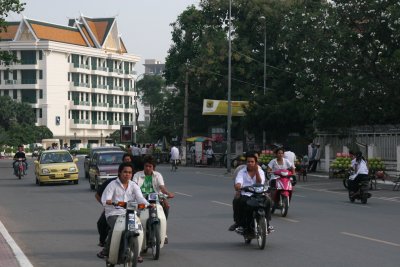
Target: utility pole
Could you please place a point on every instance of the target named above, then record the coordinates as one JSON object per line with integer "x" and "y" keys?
{"x": 265, "y": 71}
{"x": 185, "y": 117}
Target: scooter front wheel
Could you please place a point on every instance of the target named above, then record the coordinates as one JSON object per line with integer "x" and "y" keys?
{"x": 261, "y": 231}
{"x": 132, "y": 252}
{"x": 285, "y": 206}
{"x": 155, "y": 242}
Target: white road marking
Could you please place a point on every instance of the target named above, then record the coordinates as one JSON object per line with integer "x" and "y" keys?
{"x": 183, "y": 194}
{"x": 371, "y": 239}
{"x": 210, "y": 174}
{"x": 222, "y": 203}
{"x": 19, "y": 255}
{"x": 289, "y": 220}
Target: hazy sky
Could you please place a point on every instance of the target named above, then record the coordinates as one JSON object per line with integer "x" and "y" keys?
{"x": 143, "y": 24}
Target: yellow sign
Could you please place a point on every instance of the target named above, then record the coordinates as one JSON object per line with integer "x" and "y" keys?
{"x": 220, "y": 107}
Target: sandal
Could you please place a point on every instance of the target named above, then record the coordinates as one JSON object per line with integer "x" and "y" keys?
{"x": 140, "y": 259}
{"x": 101, "y": 255}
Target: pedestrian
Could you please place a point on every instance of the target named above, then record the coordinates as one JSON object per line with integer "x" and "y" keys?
{"x": 311, "y": 156}
{"x": 317, "y": 157}
{"x": 289, "y": 155}
{"x": 136, "y": 150}
{"x": 209, "y": 155}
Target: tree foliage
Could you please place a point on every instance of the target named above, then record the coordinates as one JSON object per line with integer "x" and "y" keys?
{"x": 17, "y": 122}
{"x": 330, "y": 65}
{"x": 7, "y": 6}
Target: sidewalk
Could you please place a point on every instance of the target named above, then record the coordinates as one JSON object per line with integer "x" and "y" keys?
{"x": 10, "y": 254}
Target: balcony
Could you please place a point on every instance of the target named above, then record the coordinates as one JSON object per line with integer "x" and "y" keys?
{"x": 119, "y": 88}
{"x": 128, "y": 106}
{"x": 102, "y": 69}
{"x": 115, "y": 123}
{"x": 29, "y": 61}
{"x": 84, "y": 66}
{"x": 79, "y": 121}
{"x": 119, "y": 71}
{"x": 111, "y": 105}
{"x": 83, "y": 85}
{"x": 10, "y": 81}
{"x": 102, "y": 86}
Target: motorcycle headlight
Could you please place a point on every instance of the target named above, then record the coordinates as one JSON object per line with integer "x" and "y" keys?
{"x": 72, "y": 169}
{"x": 45, "y": 171}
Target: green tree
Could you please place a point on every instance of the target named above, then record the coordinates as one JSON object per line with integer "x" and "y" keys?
{"x": 7, "y": 6}
{"x": 151, "y": 91}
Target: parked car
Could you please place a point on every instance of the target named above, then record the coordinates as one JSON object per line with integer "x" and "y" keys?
{"x": 103, "y": 166}
{"x": 89, "y": 158}
{"x": 56, "y": 166}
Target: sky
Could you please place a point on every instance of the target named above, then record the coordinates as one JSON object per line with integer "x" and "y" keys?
{"x": 144, "y": 25}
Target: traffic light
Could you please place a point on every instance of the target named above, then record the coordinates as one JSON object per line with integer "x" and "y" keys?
{"x": 58, "y": 120}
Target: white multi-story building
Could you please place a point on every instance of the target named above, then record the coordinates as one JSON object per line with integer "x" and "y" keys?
{"x": 78, "y": 78}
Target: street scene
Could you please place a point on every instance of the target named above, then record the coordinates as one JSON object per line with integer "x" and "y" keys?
{"x": 55, "y": 225}
{"x": 199, "y": 133}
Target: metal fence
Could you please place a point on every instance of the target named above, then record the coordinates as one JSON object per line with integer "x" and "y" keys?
{"x": 385, "y": 143}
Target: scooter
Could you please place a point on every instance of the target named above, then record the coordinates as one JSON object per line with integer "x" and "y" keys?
{"x": 282, "y": 194}
{"x": 362, "y": 192}
{"x": 155, "y": 225}
{"x": 259, "y": 221}
{"x": 20, "y": 168}
{"x": 127, "y": 236}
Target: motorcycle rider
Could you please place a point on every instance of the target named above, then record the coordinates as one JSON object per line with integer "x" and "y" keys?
{"x": 120, "y": 189}
{"x": 102, "y": 226}
{"x": 246, "y": 177}
{"x": 359, "y": 165}
{"x": 279, "y": 163}
{"x": 151, "y": 181}
{"x": 20, "y": 155}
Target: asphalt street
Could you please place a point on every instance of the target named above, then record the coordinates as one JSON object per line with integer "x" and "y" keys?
{"x": 55, "y": 225}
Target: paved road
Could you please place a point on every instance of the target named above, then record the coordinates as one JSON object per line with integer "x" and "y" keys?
{"x": 55, "y": 225}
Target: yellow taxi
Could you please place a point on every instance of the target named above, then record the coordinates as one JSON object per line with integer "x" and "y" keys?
{"x": 56, "y": 166}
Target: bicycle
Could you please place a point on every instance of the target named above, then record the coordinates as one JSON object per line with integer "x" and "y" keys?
{"x": 174, "y": 164}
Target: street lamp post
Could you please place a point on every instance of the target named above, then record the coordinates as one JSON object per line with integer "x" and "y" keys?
{"x": 265, "y": 69}
{"x": 229, "y": 122}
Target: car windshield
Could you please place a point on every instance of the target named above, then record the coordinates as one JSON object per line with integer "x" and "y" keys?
{"x": 110, "y": 159}
{"x": 55, "y": 158}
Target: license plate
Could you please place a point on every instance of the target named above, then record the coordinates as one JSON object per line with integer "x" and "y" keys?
{"x": 59, "y": 175}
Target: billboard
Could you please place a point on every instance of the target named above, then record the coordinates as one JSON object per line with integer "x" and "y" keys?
{"x": 126, "y": 132}
{"x": 220, "y": 107}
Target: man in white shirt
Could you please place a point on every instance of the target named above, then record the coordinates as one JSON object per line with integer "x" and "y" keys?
{"x": 135, "y": 150}
{"x": 289, "y": 155}
{"x": 121, "y": 189}
{"x": 246, "y": 177}
{"x": 174, "y": 155}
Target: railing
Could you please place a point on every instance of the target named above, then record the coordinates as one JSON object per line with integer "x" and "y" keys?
{"x": 10, "y": 81}
{"x": 84, "y": 66}
{"x": 99, "y": 122}
{"x": 99, "y": 104}
{"x": 81, "y": 103}
{"x": 115, "y": 122}
{"x": 120, "y": 88}
{"x": 129, "y": 106}
{"x": 83, "y": 85}
{"x": 102, "y": 68}
{"x": 119, "y": 71}
{"x": 102, "y": 86}
{"x": 78, "y": 121}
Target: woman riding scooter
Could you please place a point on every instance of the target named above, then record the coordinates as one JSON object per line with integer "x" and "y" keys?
{"x": 359, "y": 165}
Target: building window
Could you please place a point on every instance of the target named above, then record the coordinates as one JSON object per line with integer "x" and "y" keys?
{"x": 69, "y": 95}
{"x": 6, "y": 93}
{"x": 41, "y": 55}
{"x": 40, "y": 113}
{"x": 69, "y": 76}
{"x": 40, "y": 94}
{"x": 15, "y": 94}
{"x": 40, "y": 74}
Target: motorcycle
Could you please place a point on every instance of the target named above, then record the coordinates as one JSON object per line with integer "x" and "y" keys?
{"x": 127, "y": 236}
{"x": 155, "y": 224}
{"x": 259, "y": 221}
{"x": 19, "y": 168}
{"x": 282, "y": 194}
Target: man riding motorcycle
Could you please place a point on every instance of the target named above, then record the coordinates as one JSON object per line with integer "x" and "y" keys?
{"x": 151, "y": 181}
{"x": 252, "y": 174}
{"x": 20, "y": 155}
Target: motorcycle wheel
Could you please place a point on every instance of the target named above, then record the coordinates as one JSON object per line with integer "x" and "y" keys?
{"x": 346, "y": 183}
{"x": 109, "y": 265}
{"x": 155, "y": 242}
{"x": 261, "y": 231}
{"x": 19, "y": 173}
{"x": 285, "y": 206}
{"x": 364, "y": 198}
{"x": 132, "y": 252}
